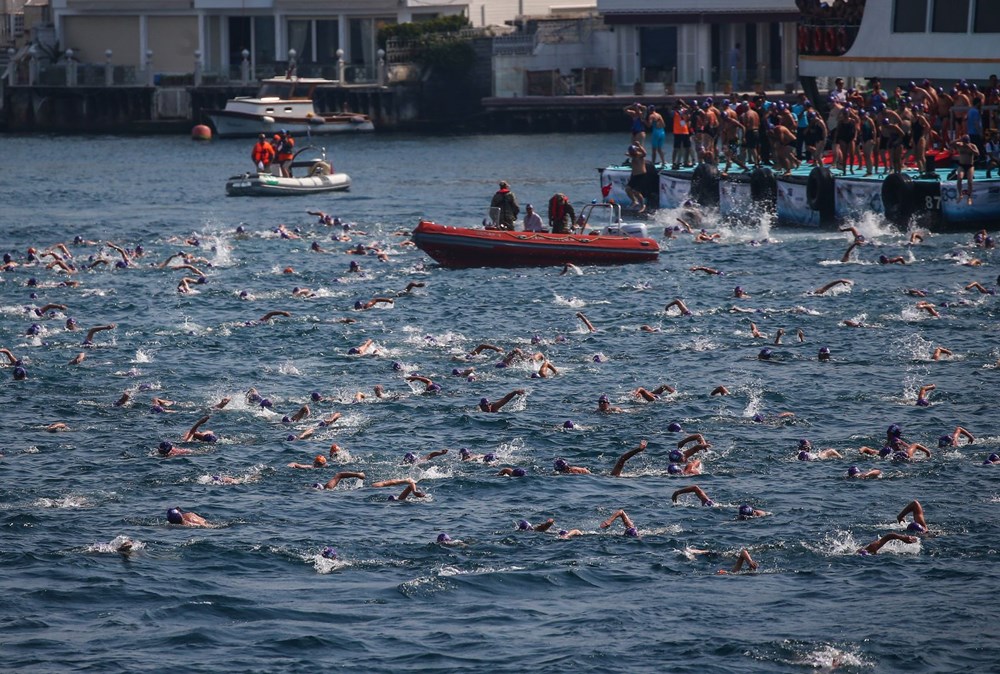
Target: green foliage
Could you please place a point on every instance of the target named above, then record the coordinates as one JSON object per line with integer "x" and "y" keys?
{"x": 419, "y": 29}
{"x": 453, "y": 56}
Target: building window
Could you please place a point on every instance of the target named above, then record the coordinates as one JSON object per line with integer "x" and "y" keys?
{"x": 987, "y": 17}
{"x": 909, "y": 16}
{"x": 253, "y": 33}
{"x": 950, "y": 16}
{"x": 327, "y": 41}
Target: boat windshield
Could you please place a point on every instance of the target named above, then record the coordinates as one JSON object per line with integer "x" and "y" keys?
{"x": 285, "y": 90}
{"x": 600, "y": 216}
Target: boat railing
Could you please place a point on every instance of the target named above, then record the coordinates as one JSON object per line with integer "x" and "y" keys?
{"x": 603, "y": 216}
{"x": 826, "y": 37}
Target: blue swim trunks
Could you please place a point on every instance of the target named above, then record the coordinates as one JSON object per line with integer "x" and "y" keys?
{"x": 659, "y": 137}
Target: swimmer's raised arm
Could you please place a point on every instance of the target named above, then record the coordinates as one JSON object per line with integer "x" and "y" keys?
{"x": 11, "y": 358}
{"x": 190, "y": 435}
{"x": 586, "y": 322}
{"x": 618, "y": 514}
{"x": 485, "y": 347}
{"x": 272, "y": 314}
{"x": 335, "y": 480}
{"x": 694, "y": 437}
{"x": 833, "y": 284}
{"x": 616, "y": 471}
{"x": 93, "y": 331}
{"x": 692, "y": 489}
{"x": 873, "y": 547}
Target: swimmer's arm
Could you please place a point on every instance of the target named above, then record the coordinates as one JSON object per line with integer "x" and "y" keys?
{"x": 436, "y": 452}
{"x": 694, "y": 437}
{"x": 11, "y": 359}
{"x": 485, "y": 347}
{"x": 417, "y": 377}
{"x": 586, "y": 322}
{"x": 272, "y": 314}
{"x": 545, "y": 526}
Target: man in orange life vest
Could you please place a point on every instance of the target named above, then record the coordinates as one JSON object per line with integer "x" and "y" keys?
{"x": 505, "y": 201}
{"x": 262, "y": 154}
{"x": 561, "y": 214}
{"x": 285, "y": 150}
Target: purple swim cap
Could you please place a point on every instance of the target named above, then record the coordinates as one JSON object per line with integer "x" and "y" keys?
{"x": 465, "y": 451}
{"x": 746, "y": 510}
{"x": 523, "y": 525}
{"x": 329, "y": 553}
{"x": 174, "y": 516}
{"x": 916, "y": 527}
{"x": 434, "y": 388}
{"x": 563, "y": 532}
{"x": 266, "y": 402}
{"x": 944, "y": 441}
{"x": 316, "y": 397}
{"x": 632, "y": 532}
{"x": 409, "y": 457}
{"x": 603, "y": 399}
{"x": 359, "y": 305}
{"x": 894, "y": 431}
{"x": 765, "y": 354}
{"x": 318, "y": 485}
{"x": 804, "y": 444}
{"x": 560, "y": 465}
{"x": 674, "y": 469}
{"x": 456, "y": 372}
{"x": 853, "y": 471}
{"x": 758, "y": 418}
{"x": 598, "y": 358}
{"x": 804, "y": 456}
{"x": 34, "y": 329}
{"x": 443, "y": 538}
{"x": 20, "y": 373}
{"x": 676, "y": 456}
{"x": 290, "y": 437}
{"x": 489, "y": 458}
{"x": 568, "y": 424}
{"x": 518, "y": 472}
{"x": 674, "y": 427}
{"x": 165, "y": 447}
{"x": 286, "y": 419}
{"x": 484, "y": 402}
{"x": 993, "y": 457}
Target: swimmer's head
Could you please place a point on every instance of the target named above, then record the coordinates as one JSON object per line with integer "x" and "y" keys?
{"x": 882, "y": 259}
{"x": 443, "y": 538}
{"x": 210, "y": 437}
{"x": 433, "y": 388}
{"x": 765, "y": 354}
{"x": 674, "y": 427}
{"x": 853, "y": 471}
{"x": 165, "y": 447}
{"x": 603, "y": 400}
{"x": 329, "y": 553}
{"x": 568, "y": 424}
{"x": 536, "y": 339}
{"x": 409, "y": 457}
{"x": 359, "y": 305}
{"x": 674, "y": 469}
{"x": 598, "y": 358}
{"x": 316, "y": 397}
{"x": 632, "y": 532}
{"x": 945, "y": 441}
{"x": 805, "y": 444}
{"x": 824, "y": 353}
{"x": 319, "y": 461}
{"x": 20, "y": 373}
{"x": 70, "y": 323}
{"x": 286, "y": 419}
{"x": 916, "y": 527}
{"x": 396, "y": 365}
{"x": 34, "y": 329}
{"x": 318, "y": 485}
{"x": 266, "y": 402}
{"x": 489, "y": 458}
{"x": 993, "y": 458}
{"x": 746, "y": 510}
{"x": 523, "y": 525}
{"x": 894, "y": 431}
{"x": 518, "y": 472}
{"x": 464, "y": 452}
{"x": 805, "y": 456}
{"x": 174, "y": 516}
{"x": 758, "y": 418}
{"x": 676, "y": 456}
{"x": 240, "y": 229}
{"x": 560, "y": 465}
{"x": 290, "y": 437}
{"x": 484, "y": 404}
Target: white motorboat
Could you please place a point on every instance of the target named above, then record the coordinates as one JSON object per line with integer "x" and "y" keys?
{"x": 316, "y": 175}
{"x": 904, "y": 41}
{"x": 284, "y": 103}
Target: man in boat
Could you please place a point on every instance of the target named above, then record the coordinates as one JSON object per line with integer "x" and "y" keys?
{"x": 966, "y": 154}
{"x": 262, "y": 154}
{"x": 561, "y": 214}
{"x": 285, "y": 151}
{"x": 505, "y": 200}
{"x": 532, "y": 221}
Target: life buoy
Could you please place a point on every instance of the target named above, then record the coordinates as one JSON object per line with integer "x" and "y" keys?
{"x": 897, "y": 199}
{"x": 841, "y": 42}
{"x": 764, "y": 187}
{"x": 803, "y": 39}
{"x": 819, "y": 192}
{"x": 705, "y": 184}
{"x": 829, "y": 41}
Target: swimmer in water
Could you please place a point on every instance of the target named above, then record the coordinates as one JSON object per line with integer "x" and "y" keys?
{"x": 167, "y": 450}
{"x": 525, "y": 525}
{"x": 631, "y": 530}
{"x": 273, "y": 314}
{"x": 955, "y": 437}
{"x": 941, "y": 351}
{"x": 586, "y": 322}
{"x": 570, "y": 267}
{"x": 318, "y": 462}
{"x": 743, "y": 559}
{"x": 697, "y": 491}
{"x": 410, "y": 457}
{"x": 186, "y": 519}
{"x": 89, "y": 339}
{"x": 883, "y": 259}
{"x": 194, "y": 435}
{"x": 754, "y": 332}
{"x": 748, "y": 512}
{"x": 708, "y": 270}
{"x": 512, "y": 472}
{"x": 429, "y": 386}
{"x": 806, "y": 452}
{"x": 680, "y": 307}
{"x": 918, "y": 525}
{"x": 604, "y": 406}
{"x": 486, "y": 406}
{"x": 364, "y": 306}
{"x": 856, "y": 473}
{"x": 650, "y": 396}
{"x": 833, "y": 284}
{"x": 410, "y": 490}
{"x": 876, "y": 545}
{"x": 561, "y": 466}
{"x": 922, "y": 400}
{"x": 929, "y": 308}
{"x": 366, "y": 347}
{"x": 335, "y": 480}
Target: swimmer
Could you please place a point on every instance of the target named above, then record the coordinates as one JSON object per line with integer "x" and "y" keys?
{"x": 708, "y": 270}
{"x": 586, "y": 322}
{"x": 546, "y": 369}
{"x": 561, "y": 466}
{"x": 833, "y": 284}
{"x": 741, "y": 294}
{"x": 364, "y": 306}
{"x": 335, "y": 480}
{"x": 77, "y": 359}
{"x": 697, "y": 491}
{"x": 570, "y": 533}
{"x": 953, "y": 439}
{"x": 194, "y": 434}
{"x": 616, "y": 471}
{"x": 778, "y": 335}
{"x": 273, "y": 314}
{"x": 410, "y": 286}
{"x": 485, "y": 347}
{"x": 754, "y": 332}
{"x": 919, "y": 524}
{"x": 922, "y": 394}
{"x": 680, "y": 307}
{"x": 806, "y": 453}
{"x": 882, "y": 259}
{"x": 429, "y": 386}
{"x": 630, "y": 529}
{"x": 604, "y": 406}
{"x": 512, "y": 472}
{"x": 89, "y": 339}
{"x": 167, "y": 450}
{"x": 719, "y": 391}
{"x": 187, "y": 519}
{"x": 876, "y": 545}
{"x": 222, "y": 403}
{"x": 941, "y": 351}
{"x": 915, "y": 292}
{"x": 486, "y": 406}
{"x": 324, "y": 218}
{"x": 318, "y": 462}
{"x": 410, "y": 457}
{"x": 747, "y": 512}
{"x": 929, "y": 308}
{"x": 469, "y": 456}
{"x": 857, "y": 473}
{"x": 330, "y": 419}
{"x": 525, "y": 525}
{"x": 57, "y": 427}
{"x": 570, "y": 267}
{"x": 368, "y": 346}
{"x": 983, "y": 290}
{"x": 410, "y": 490}
{"x": 650, "y": 396}
{"x": 742, "y": 559}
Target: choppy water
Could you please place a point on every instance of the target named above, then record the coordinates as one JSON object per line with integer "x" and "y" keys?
{"x": 253, "y": 593}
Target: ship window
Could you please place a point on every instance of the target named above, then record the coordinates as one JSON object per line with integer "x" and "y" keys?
{"x": 987, "y": 17}
{"x": 909, "y": 16}
{"x": 950, "y": 16}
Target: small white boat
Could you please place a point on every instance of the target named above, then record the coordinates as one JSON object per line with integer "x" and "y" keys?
{"x": 283, "y": 103}
{"x": 316, "y": 175}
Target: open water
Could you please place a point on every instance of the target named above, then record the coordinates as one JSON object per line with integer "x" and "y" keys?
{"x": 253, "y": 593}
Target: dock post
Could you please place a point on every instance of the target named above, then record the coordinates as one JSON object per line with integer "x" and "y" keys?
{"x": 109, "y": 69}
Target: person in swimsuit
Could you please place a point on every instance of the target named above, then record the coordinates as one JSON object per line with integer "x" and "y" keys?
{"x": 636, "y": 113}
{"x": 658, "y": 129}
{"x": 967, "y": 153}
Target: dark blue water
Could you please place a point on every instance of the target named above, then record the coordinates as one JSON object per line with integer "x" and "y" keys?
{"x": 252, "y": 593}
